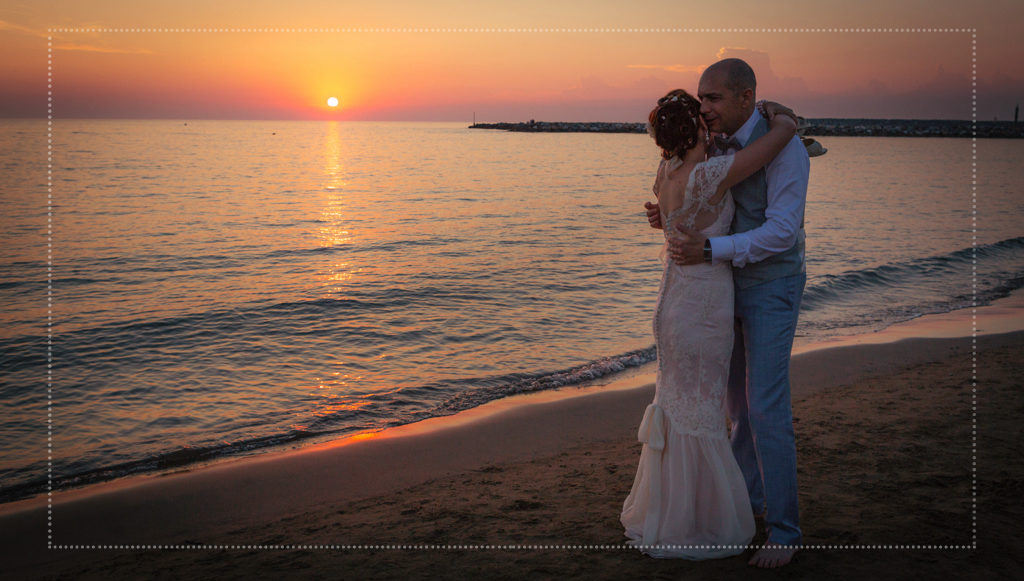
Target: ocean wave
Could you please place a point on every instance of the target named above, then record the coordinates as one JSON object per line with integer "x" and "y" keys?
{"x": 830, "y": 289}
{"x": 544, "y": 381}
{"x": 345, "y": 319}
{"x": 462, "y": 397}
{"x": 241, "y": 257}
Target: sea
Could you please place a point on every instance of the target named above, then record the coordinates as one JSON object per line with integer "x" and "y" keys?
{"x": 178, "y": 292}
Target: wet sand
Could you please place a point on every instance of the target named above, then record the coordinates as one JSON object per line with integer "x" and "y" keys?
{"x": 885, "y": 438}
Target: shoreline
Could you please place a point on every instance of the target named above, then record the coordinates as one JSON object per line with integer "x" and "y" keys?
{"x": 946, "y": 325}
{"x": 815, "y": 365}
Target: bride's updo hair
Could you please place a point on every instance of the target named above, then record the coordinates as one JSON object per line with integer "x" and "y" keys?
{"x": 674, "y": 122}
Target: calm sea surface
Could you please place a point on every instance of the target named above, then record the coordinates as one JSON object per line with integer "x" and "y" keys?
{"x": 223, "y": 287}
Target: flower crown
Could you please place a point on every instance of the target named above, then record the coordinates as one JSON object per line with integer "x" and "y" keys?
{"x": 663, "y": 101}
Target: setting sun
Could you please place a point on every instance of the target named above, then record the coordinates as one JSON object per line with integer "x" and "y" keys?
{"x": 332, "y": 102}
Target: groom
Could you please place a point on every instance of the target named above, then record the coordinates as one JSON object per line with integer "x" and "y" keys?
{"x": 767, "y": 253}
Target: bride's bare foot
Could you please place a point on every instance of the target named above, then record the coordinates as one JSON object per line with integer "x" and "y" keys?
{"x": 772, "y": 555}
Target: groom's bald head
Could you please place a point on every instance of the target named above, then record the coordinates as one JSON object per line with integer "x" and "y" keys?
{"x": 737, "y": 74}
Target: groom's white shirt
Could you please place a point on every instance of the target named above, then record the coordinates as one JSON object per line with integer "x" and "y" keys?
{"x": 787, "y": 195}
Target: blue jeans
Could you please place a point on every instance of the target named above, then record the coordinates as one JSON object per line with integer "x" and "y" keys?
{"x": 759, "y": 402}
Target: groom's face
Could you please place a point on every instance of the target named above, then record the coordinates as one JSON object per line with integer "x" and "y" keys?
{"x": 723, "y": 111}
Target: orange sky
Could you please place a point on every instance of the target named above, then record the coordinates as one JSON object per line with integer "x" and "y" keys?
{"x": 498, "y": 75}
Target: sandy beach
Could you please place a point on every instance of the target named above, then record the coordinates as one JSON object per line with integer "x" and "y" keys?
{"x": 531, "y": 486}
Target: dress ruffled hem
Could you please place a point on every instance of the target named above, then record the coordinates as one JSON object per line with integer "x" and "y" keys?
{"x": 689, "y": 499}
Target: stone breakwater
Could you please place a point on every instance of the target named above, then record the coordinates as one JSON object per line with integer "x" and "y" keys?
{"x": 912, "y": 128}
{"x": 565, "y": 127}
{"x": 813, "y": 127}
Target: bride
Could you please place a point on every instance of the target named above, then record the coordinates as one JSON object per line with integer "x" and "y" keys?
{"x": 689, "y": 499}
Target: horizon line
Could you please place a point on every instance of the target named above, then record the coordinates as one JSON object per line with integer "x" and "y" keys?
{"x": 190, "y": 119}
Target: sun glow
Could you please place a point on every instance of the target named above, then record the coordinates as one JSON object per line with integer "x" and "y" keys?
{"x": 332, "y": 102}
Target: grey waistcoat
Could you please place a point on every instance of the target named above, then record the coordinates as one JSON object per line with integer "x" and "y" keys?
{"x": 751, "y": 198}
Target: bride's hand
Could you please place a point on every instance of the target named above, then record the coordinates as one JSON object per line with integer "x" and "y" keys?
{"x": 653, "y": 215}
{"x": 785, "y": 121}
{"x": 769, "y": 109}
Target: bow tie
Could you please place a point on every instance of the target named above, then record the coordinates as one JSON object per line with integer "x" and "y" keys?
{"x": 725, "y": 144}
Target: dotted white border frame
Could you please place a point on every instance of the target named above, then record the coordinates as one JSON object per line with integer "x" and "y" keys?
{"x": 974, "y": 289}
{"x": 49, "y": 291}
{"x": 401, "y": 547}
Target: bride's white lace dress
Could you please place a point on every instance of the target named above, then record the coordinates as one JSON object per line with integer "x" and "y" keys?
{"x": 689, "y": 499}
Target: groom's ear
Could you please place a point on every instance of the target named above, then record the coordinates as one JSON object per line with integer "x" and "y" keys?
{"x": 748, "y": 98}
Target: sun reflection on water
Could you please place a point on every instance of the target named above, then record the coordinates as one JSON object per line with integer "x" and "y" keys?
{"x": 334, "y": 216}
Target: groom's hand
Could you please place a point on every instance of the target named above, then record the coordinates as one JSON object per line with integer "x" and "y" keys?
{"x": 653, "y": 215}
{"x": 688, "y": 248}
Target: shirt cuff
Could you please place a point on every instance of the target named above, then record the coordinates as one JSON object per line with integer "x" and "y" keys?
{"x": 722, "y": 249}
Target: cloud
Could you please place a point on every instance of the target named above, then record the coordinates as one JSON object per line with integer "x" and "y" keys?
{"x": 697, "y": 69}
{"x": 103, "y": 49}
{"x": 11, "y": 27}
{"x": 768, "y": 82}
{"x": 594, "y": 88}
{"x": 736, "y": 52}
{"x": 942, "y": 95}
{"x": 69, "y": 46}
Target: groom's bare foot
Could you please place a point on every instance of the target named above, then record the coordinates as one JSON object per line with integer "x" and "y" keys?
{"x": 772, "y": 555}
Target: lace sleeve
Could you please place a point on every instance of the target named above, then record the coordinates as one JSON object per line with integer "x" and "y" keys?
{"x": 708, "y": 176}
{"x": 696, "y": 212}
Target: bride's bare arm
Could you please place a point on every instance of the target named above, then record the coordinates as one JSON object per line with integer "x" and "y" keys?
{"x": 782, "y": 128}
